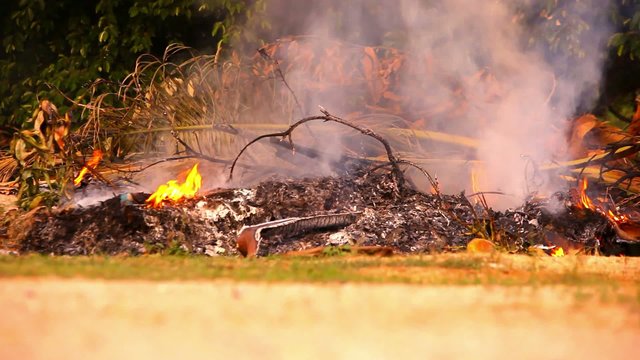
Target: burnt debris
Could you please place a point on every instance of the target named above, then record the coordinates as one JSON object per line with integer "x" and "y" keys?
{"x": 359, "y": 209}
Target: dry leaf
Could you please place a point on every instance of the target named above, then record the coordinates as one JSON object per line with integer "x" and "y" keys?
{"x": 629, "y": 231}
{"x": 480, "y": 246}
{"x": 590, "y": 133}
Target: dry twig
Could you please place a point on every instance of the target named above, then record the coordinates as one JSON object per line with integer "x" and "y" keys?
{"x": 393, "y": 160}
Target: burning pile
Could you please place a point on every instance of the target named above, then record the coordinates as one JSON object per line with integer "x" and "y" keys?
{"x": 362, "y": 205}
{"x": 358, "y": 209}
{"x": 175, "y": 192}
{"x": 600, "y": 208}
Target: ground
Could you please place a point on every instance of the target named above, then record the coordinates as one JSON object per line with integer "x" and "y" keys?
{"x": 447, "y": 306}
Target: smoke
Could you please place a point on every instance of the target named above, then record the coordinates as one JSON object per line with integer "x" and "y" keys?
{"x": 512, "y": 91}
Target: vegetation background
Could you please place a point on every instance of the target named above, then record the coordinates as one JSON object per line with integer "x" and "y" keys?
{"x": 67, "y": 44}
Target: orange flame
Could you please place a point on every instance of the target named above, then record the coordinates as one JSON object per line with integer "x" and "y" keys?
{"x": 587, "y": 203}
{"x": 175, "y": 192}
{"x": 584, "y": 198}
{"x": 91, "y": 164}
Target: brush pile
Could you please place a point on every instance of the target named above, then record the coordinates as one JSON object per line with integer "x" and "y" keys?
{"x": 413, "y": 222}
{"x": 201, "y": 109}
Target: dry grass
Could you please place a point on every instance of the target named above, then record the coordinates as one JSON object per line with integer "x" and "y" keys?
{"x": 588, "y": 309}
{"x": 453, "y": 269}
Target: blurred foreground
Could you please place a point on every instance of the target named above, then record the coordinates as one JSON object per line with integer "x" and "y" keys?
{"x": 594, "y": 316}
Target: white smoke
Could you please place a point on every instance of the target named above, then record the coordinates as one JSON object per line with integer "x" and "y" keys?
{"x": 519, "y": 114}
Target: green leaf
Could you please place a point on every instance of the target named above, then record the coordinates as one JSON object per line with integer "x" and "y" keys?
{"x": 217, "y": 27}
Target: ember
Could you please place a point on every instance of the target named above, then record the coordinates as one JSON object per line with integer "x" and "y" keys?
{"x": 175, "y": 192}
{"x": 587, "y": 203}
{"x": 91, "y": 164}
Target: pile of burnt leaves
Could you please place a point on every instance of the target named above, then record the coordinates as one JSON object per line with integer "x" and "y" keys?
{"x": 363, "y": 209}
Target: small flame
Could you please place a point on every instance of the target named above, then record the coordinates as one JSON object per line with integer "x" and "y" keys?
{"x": 584, "y": 198}
{"x": 91, "y": 164}
{"x": 173, "y": 191}
{"x": 557, "y": 252}
{"x": 587, "y": 203}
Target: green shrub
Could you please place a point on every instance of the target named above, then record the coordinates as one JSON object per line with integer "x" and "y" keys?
{"x": 68, "y": 44}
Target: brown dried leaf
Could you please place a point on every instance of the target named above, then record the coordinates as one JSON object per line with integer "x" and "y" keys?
{"x": 629, "y": 231}
{"x": 61, "y": 131}
{"x": 480, "y": 246}
{"x": 581, "y": 127}
{"x": 39, "y": 120}
{"x": 588, "y": 132}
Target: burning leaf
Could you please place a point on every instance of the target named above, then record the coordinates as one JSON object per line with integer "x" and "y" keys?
{"x": 584, "y": 198}
{"x": 61, "y": 130}
{"x": 91, "y": 164}
{"x": 174, "y": 191}
{"x": 587, "y": 203}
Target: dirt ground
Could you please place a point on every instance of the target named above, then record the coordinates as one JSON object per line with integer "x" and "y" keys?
{"x": 47, "y": 318}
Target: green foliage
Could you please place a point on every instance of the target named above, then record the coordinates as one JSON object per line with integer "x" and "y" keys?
{"x": 69, "y": 44}
{"x": 42, "y": 158}
{"x": 626, "y": 42}
{"x": 448, "y": 269}
{"x": 565, "y": 29}
{"x": 623, "y": 70}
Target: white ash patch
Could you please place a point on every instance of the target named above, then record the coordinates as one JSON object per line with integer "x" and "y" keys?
{"x": 340, "y": 238}
{"x": 214, "y": 250}
{"x": 238, "y": 207}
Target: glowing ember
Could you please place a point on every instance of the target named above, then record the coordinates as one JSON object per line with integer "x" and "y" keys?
{"x": 175, "y": 192}
{"x": 91, "y": 164}
{"x": 617, "y": 217}
{"x": 587, "y": 203}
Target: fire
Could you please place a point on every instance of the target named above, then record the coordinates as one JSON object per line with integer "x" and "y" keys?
{"x": 587, "y": 203}
{"x": 174, "y": 191}
{"x": 91, "y": 164}
{"x": 557, "y": 252}
{"x": 584, "y": 198}
{"x": 617, "y": 217}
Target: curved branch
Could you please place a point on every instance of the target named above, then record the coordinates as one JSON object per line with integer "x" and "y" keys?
{"x": 397, "y": 173}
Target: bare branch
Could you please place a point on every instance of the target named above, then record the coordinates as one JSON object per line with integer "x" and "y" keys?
{"x": 397, "y": 173}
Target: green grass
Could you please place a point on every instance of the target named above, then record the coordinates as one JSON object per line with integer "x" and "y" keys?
{"x": 433, "y": 270}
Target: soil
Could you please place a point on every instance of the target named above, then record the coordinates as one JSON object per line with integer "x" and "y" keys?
{"x": 70, "y": 319}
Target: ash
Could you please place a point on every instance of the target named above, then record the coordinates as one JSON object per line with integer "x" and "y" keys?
{"x": 410, "y": 222}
